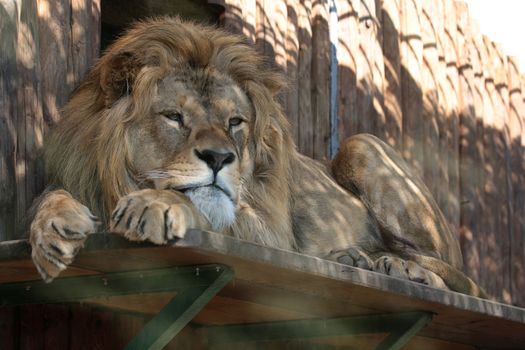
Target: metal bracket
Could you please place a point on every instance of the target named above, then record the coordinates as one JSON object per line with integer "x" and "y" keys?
{"x": 401, "y": 326}
{"x": 195, "y": 287}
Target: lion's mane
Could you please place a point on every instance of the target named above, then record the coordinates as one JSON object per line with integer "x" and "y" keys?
{"x": 89, "y": 151}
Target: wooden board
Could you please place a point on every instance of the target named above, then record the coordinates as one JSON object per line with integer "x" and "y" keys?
{"x": 272, "y": 284}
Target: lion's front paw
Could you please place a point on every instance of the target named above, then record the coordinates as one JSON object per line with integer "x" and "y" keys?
{"x": 353, "y": 257}
{"x": 57, "y": 233}
{"x": 154, "y": 215}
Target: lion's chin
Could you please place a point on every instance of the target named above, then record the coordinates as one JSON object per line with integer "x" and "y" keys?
{"x": 216, "y": 206}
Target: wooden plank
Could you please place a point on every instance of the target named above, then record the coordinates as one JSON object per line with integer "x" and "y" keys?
{"x": 305, "y": 120}
{"x": 292, "y": 65}
{"x": 391, "y": 26}
{"x": 320, "y": 77}
{"x": 452, "y": 131}
{"x": 468, "y": 161}
{"x": 8, "y": 111}
{"x": 516, "y": 130}
{"x": 430, "y": 88}
{"x": 412, "y": 102}
{"x": 369, "y": 116}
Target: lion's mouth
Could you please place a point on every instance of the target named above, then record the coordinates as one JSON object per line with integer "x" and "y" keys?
{"x": 213, "y": 186}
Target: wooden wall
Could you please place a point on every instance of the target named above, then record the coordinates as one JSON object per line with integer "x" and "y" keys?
{"x": 421, "y": 76}
{"x": 418, "y": 74}
{"x": 46, "y": 47}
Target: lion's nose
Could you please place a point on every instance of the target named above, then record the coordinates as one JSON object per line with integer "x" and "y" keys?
{"x": 215, "y": 160}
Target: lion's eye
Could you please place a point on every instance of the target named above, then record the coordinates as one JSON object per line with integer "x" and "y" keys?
{"x": 235, "y": 121}
{"x": 175, "y": 116}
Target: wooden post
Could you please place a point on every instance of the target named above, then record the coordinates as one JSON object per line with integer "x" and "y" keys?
{"x": 391, "y": 26}
{"x": 468, "y": 162}
{"x": 249, "y": 12}
{"x": 347, "y": 50}
{"x": 233, "y": 19}
{"x": 320, "y": 78}
{"x": 430, "y": 87}
{"x": 516, "y": 130}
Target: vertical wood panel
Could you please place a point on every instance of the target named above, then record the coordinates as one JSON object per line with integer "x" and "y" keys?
{"x": 56, "y": 326}
{"x": 516, "y": 129}
{"x": 249, "y": 14}
{"x": 441, "y": 192}
{"x": 321, "y": 76}
{"x": 430, "y": 86}
{"x": 292, "y": 65}
{"x": 467, "y": 144}
{"x": 502, "y": 168}
{"x": 8, "y": 328}
{"x": 452, "y": 130}
{"x": 391, "y": 26}
{"x": 347, "y": 50}
{"x": 412, "y": 95}
{"x": 8, "y": 109}
{"x": 369, "y": 116}
{"x": 304, "y": 77}
{"x": 479, "y": 96}
{"x": 491, "y": 263}
{"x": 31, "y": 327}
{"x": 233, "y": 16}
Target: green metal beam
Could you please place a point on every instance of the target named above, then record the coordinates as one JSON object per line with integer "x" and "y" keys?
{"x": 398, "y": 339}
{"x": 195, "y": 286}
{"x": 71, "y": 289}
{"x": 402, "y": 326}
{"x": 158, "y": 332}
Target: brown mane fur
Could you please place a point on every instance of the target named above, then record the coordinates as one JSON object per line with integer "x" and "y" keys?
{"x": 93, "y": 163}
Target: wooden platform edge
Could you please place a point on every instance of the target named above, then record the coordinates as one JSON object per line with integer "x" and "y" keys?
{"x": 219, "y": 244}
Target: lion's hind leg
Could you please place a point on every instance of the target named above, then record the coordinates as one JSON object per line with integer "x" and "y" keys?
{"x": 406, "y": 269}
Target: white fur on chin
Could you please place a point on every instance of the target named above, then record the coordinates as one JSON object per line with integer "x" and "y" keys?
{"x": 214, "y": 204}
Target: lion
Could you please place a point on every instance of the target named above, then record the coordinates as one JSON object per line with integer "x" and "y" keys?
{"x": 178, "y": 126}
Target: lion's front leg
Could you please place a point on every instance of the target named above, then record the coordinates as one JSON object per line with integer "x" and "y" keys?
{"x": 155, "y": 215}
{"x": 58, "y": 231}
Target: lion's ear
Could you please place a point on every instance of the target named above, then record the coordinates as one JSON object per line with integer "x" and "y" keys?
{"x": 118, "y": 75}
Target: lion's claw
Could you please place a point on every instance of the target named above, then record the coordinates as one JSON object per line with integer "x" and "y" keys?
{"x": 157, "y": 216}
{"x": 58, "y": 231}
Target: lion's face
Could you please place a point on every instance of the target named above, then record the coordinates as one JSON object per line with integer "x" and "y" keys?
{"x": 196, "y": 140}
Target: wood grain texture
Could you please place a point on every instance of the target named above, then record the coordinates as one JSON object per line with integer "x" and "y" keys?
{"x": 305, "y": 120}
{"x": 517, "y": 173}
{"x": 320, "y": 75}
{"x": 412, "y": 90}
{"x": 468, "y": 161}
{"x": 392, "y": 93}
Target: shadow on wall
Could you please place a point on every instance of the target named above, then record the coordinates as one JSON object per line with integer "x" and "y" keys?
{"x": 468, "y": 163}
